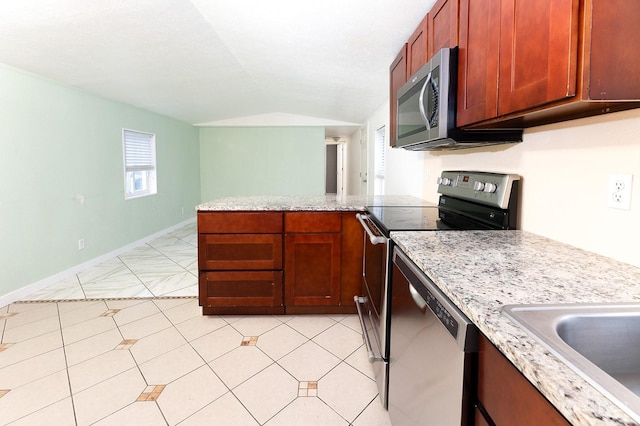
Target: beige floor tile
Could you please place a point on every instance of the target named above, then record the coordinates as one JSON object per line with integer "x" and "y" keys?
{"x": 171, "y": 365}
{"x": 311, "y": 325}
{"x": 309, "y": 362}
{"x": 340, "y": 340}
{"x": 38, "y": 312}
{"x": 145, "y": 327}
{"x": 266, "y": 393}
{"x": 217, "y": 343}
{"x": 87, "y": 311}
{"x": 256, "y": 325}
{"x": 226, "y": 410}
{"x": 347, "y": 391}
{"x": 170, "y": 303}
{"x": 32, "y": 369}
{"x": 196, "y": 327}
{"x": 157, "y": 344}
{"x": 353, "y": 322}
{"x": 240, "y": 364}
{"x": 30, "y": 330}
{"x": 360, "y": 361}
{"x": 280, "y": 341}
{"x": 183, "y": 311}
{"x": 135, "y": 312}
{"x": 307, "y": 412}
{"x": 34, "y": 396}
{"x": 29, "y": 348}
{"x": 86, "y": 329}
{"x": 124, "y": 303}
{"x": 99, "y": 369}
{"x": 93, "y": 346}
{"x": 189, "y": 394}
{"x": 137, "y": 413}
{"x": 57, "y": 414}
{"x": 108, "y": 397}
{"x": 373, "y": 415}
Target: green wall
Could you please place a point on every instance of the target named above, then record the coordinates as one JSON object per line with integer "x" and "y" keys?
{"x": 62, "y": 177}
{"x": 261, "y": 161}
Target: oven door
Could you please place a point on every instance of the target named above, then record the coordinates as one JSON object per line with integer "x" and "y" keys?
{"x": 372, "y": 302}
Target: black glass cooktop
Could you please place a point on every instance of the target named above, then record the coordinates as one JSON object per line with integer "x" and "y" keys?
{"x": 407, "y": 218}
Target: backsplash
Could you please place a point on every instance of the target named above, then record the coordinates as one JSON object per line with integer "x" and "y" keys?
{"x": 565, "y": 170}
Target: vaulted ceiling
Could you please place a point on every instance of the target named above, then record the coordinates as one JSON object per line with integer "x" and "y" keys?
{"x": 203, "y": 61}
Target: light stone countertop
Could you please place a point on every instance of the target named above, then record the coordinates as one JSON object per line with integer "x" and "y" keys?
{"x": 480, "y": 271}
{"x": 307, "y": 203}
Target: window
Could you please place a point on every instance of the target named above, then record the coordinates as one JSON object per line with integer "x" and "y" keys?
{"x": 378, "y": 165}
{"x": 139, "y": 163}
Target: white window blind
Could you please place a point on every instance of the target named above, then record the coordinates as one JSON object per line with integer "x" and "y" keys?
{"x": 139, "y": 163}
{"x": 378, "y": 165}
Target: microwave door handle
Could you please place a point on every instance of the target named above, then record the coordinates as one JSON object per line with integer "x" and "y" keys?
{"x": 421, "y": 102}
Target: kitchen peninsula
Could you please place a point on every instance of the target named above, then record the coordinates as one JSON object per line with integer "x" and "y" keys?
{"x": 282, "y": 254}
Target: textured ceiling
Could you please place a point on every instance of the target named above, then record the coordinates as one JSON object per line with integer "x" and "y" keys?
{"x": 202, "y": 61}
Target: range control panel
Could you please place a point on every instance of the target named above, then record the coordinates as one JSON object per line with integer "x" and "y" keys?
{"x": 492, "y": 189}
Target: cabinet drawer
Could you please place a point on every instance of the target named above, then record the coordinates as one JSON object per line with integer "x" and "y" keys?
{"x": 312, "y": 222}
{"x": 239, "y": 251}
{"x": 241, "y": 288}
{"x": 239, "y": 222}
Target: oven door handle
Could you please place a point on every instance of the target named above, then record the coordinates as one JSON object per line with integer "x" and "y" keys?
{"x": 375, "y": 239}
{"x": 373, "y": 357}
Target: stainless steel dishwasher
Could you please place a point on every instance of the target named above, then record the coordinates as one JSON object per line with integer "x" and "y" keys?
{"x": 433, "y": 355}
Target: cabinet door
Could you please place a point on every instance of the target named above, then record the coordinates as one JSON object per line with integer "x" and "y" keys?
{"x": 443, "y": 26}
{"x": 478, "y": 60}
{"x": 417, "y": 47}
{"x": 312, "y": 269}
{"x": 398, "y": 76}
{"x": 538, "y": 53}
{"x": 507, "y": 395}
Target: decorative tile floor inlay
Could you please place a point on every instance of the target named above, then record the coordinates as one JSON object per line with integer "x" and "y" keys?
{"x": 3, "y": 392}
{"x": 151, "y": 393}
{"x": 4, "y": 346}
{"x": 308, "y": 389}
{"x": 249, "y": 341}
{"x": 126, "y": 344}
{"x": 7, "y": 315}
{"x": 110, "y": 313}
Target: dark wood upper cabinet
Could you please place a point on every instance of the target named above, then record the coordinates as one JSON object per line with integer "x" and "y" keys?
{"x": 524, "y": 63}
{"x": 538, "y": 53}
{"x": 417, "y": 47}
{"x": 442, "y": 25}
{"x": 398, "y": 76}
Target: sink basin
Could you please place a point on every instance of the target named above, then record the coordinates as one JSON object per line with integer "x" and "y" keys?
{"x": 601, "y": 342}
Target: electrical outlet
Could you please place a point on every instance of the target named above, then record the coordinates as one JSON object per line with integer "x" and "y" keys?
{"x": 81, "y": 244}
{"x": 620, "y": 191}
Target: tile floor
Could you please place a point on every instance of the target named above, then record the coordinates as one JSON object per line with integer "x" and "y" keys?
{"x": 115, "y": 345}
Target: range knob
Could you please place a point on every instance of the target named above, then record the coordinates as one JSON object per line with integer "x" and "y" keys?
{"x": 443, "y": 181}
{"x": 490, "y": 187}
{"x": 478, "y": 186}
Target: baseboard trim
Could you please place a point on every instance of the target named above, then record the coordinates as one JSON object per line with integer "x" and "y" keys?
{"x": 29, "y": 289}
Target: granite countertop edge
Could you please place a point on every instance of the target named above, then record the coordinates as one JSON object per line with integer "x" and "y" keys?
{"x": 481, "y": 271}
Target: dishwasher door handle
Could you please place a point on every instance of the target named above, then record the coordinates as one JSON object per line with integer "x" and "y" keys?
{"x": 375, "y": 239}
{"x": 417, "y": 298}
{"x": 373, "y": 357}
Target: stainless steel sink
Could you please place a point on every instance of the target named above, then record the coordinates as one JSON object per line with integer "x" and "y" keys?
{"x": 601, "y": 342}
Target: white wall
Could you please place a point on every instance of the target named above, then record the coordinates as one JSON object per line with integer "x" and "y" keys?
{"x": 404, "y": 170}
{"x": 565, "y": 170}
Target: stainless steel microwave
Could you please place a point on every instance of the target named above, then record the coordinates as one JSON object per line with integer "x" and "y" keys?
{"x": 426, "y": 109}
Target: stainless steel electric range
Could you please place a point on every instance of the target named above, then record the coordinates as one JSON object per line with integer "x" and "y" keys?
{"x": 468, "y": 201}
